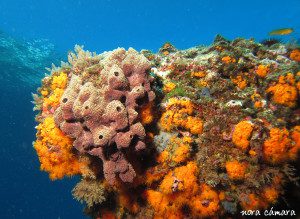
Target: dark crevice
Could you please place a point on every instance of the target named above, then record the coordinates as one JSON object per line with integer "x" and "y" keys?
{"x": 108, "y": 150}
{"x": 85, "y": 128}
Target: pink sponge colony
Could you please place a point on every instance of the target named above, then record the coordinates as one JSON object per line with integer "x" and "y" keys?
{"x": 99, "y": 107}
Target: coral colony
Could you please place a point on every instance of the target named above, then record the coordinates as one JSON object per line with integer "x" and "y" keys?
{"x": 203, "y": 132}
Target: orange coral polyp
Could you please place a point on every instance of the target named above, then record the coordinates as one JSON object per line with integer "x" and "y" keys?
{"x": 236, "y": 170}
{"x": 284, "y": 92}
{"x": 241, "y": 134}
{"x": 271, "y": 194}
{"x": 279, "y": 147}
{"x": 168, "y": 87}
{"x": 240, "y": 82}
{"x": 181, "y": 153}
{"x": 54, "y": 151}
{"x": 252, "y": 202}
{"x": 198, "y": 74}
{"x": 296, "y": 136}
{"x": 59, "y": 81}
{"x": 58, "y": 85}
{"x": 187, "y": 184}
{"x": 179, "y": 188}
{"x": 194, "y": 124}
{"x": 179, "y": 114}
{"x": 206, "y": 204}
{"x": 147, "y": 113}
{"x": 262, "y": 70}
{"x": 295, "y": 55}
{"x": 228, "y": 59}
{"x": 160, "y": 203}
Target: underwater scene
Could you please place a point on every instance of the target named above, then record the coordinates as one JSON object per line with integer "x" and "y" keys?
{"x": 157, "y": 109}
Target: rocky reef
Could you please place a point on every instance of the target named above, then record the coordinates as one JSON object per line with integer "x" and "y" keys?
{"x": 198, "y": 133}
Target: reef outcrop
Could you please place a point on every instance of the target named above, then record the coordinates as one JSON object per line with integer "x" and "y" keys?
{"x": 204, "y": 132}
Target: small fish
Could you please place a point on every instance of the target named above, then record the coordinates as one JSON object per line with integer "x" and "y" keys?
{"x": 284, "y": 31}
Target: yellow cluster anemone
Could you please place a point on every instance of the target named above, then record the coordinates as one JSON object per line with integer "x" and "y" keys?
{"x": 241, "y": 134}
{"x": 55, "y": 151}
{"x": 284, "y": 91}
{"x": 179, "y": 113}
{"x": 262, "y": 70}
{"x": 59, "y": 81}
{"x": 281, "y": 146}
{"x": 57, "y": 87}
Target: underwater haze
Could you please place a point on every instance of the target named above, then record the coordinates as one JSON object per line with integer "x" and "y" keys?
{"x": 34, "y": 34}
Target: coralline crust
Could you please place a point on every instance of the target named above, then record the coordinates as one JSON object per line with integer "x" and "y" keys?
{"x": 99, "y": 108}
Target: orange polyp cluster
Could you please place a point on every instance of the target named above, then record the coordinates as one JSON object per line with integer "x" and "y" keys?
{"x": 178, "y": 150}
{"x": 128, "y": 202}
{"x": 147, "y": 113}
{"x": 262, "y": 70}
{"x": 108, "y": 215}
{"x": 187, "y": 184}
{"x": 295, "y": 55}
{"x": 271, "y": 194}
{"x": 236, "y": 170}
{"x": 258, "y": 101}
{"x": 252, "y": 202}
{"x": 281, "y": 146}
{"x": 55, "y": 151}
{"x": 240, "y": 82}
{"x": 219, "y": 48}
{"x": 228, "y": 59}
{"x": 206, "y": 204}
{"x": 182, "y": 152}
{"x": 258, "y": 104}
{"x": 167, "y": 45}
{"x": 59, "y": 81}
{"x": 179, "y": 113}
{"x": 295, "y": 135}
{"x": 198, "y": 74}
{"x": 168, "y": 87}
{"x": 58, "y": 85}
{"x": 180, "y": 188}
{"x": 284, "y": 91}
{"x": 241, "y": 134}
{"x": 268, "y": 196}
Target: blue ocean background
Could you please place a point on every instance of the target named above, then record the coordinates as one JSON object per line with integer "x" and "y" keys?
{"x": 36, "y": 33}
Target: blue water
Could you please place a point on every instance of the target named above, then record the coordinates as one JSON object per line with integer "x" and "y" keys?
{"x": 37, "y": 33}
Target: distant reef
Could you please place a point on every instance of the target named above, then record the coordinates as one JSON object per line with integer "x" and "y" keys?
{"x": 23, "y": 63}
{"x": 206, "y": 132}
